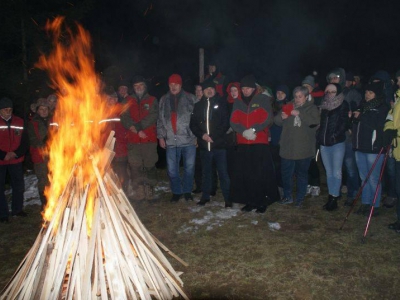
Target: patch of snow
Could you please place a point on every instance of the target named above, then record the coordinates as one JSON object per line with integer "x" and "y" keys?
{"x": 162, "y": 186}
{"x": 274, "y": 226}
{"x": 210, "y": 219}
{"x": 187, "y": 229}
{"x": 214, "y": 215}
{"x": 31, "y": 194}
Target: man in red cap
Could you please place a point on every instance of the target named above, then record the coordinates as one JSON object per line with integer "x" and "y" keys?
{"x": 175, "y": 136}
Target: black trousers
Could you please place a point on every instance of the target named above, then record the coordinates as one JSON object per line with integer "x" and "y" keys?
{"x": 254, "y": 180}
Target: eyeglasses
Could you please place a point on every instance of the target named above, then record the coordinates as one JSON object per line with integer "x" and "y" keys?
{"x": 330, "y": 92}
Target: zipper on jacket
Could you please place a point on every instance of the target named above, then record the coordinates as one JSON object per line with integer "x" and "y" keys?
{"x": 373, "y": 139}
{"x": 326, "y": 128}
{"x": 208, "y": 123}
{"x": 358, "y": 131}
{"x": 247, "y": 117}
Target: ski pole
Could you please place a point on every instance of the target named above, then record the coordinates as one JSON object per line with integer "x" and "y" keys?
{"x": 361, "y": 188}
{"x": 376, "y": 194}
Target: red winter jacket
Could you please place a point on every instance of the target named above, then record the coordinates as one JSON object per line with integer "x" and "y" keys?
{"x": 11, "y": 138}
{"x": 258, "y": 115}
{"x": 143, "y": 115}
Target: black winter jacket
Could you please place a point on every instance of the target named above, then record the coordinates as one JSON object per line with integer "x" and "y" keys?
{"x": 214, "y": 112}
{"x": 333, "y": 125}
{"x": 368, "y": 130}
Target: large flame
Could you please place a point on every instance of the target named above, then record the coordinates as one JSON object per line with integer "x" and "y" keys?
{"x": 78, "y": 138}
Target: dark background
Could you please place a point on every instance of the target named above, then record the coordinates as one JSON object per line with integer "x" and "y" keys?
{"x": 277, "y": 41}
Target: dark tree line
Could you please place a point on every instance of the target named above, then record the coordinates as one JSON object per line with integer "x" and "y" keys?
{"x": 22, "y": 38}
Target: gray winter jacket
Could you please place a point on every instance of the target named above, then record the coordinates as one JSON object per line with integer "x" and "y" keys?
{"x": 183, "y": 135}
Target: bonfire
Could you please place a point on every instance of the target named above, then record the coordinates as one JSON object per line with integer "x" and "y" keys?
{"x": 92, "y": 245}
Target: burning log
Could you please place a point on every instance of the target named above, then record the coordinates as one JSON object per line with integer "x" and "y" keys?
{"x": 112, "y": 256}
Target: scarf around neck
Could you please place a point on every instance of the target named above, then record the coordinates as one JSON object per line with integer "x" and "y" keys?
{"x": 297, "y": 120}
{"x": 331, "y": 103}
{"x": 368, "y": 105}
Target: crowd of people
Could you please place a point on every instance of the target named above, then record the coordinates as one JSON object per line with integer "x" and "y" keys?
{"x": 262, "y": 147}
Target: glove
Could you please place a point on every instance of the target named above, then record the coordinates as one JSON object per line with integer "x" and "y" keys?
{"x": 388, "y": 136}
{"x": 249, "y": 134}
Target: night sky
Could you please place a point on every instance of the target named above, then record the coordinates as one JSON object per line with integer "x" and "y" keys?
{"x": 279, "y": 41}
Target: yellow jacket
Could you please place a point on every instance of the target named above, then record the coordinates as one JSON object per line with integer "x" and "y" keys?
{"x": 393, "y": 122}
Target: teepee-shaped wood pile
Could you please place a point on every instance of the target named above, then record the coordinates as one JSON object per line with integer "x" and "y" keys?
{"x": 118, "y": 259}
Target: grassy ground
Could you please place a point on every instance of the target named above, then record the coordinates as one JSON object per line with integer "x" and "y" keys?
{"x": 235, "y": 255}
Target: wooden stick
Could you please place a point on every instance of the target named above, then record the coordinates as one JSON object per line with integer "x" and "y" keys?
{"x": 169, "y": 251}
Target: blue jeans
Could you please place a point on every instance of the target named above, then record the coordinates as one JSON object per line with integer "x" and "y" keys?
{"x": 299, "y": 168}
{"x": 332, "y": 157}
{"x": 364, "y": 163}
{"x": 17, "y": 184}
{"x": 350, "y": 165}
{"x": 185, "y": 184}
{"x": 219, "y": 156}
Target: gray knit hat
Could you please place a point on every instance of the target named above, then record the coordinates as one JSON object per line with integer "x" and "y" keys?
{"x": 40, "y": 102}
{"x": 309, "y": 80}
{"x": 6, "y": 103}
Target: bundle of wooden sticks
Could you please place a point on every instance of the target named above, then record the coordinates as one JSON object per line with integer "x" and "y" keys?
{"x": 112, "y": 257}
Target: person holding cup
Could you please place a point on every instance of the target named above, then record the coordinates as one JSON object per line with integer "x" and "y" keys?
{"x": 299, "y": 120}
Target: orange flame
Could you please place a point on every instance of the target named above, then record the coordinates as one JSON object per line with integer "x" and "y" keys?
{"x": 79, "y": 109}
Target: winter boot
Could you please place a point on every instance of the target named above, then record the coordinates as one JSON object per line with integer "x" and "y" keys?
{"x": 333, "y": 204}
{"x": 330, "y": 197}
{"x": 203, "y": 201}
{"x": 175, "y": 197}
{"x": 389, "y": 202}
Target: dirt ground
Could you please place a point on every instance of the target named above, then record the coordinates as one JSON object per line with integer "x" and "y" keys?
{"x": 286, "y": 253}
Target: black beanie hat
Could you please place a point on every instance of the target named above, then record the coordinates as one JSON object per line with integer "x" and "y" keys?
{"x": 137, "y": 79}
{"x": 6, "y": 103}
{"x": 376, "y": 87}
{"x": 206, "y": 84}
{"x": 248, "y": 81}
{"x": 283, "y": 88}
